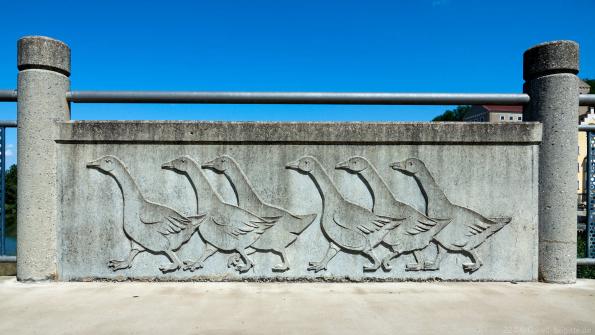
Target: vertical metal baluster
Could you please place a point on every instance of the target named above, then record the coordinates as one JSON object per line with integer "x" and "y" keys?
{"x": 590, "y": 194}
{"x": 2, "y": 191}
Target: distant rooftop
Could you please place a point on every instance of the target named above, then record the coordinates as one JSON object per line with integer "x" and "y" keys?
{"x": 507, "y": 109}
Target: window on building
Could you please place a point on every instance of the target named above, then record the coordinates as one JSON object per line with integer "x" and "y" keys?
{"x": 510, "y": 118}
{"x": 520, "y": 118}
{"x": 501, "y": 117}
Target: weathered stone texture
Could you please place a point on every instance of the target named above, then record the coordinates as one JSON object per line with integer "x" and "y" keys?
{"x": 493, "y": 178}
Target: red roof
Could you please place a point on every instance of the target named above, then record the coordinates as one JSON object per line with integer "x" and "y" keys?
{"x": 507, "y": 109}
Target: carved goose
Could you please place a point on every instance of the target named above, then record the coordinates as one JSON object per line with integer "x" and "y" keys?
{"x": 414, "y": 233}
{"x": 346, "y": 225}
{"x": 148, "y": 225}
{"x": 226, "y": 227}
{"x": 288, "y": 225}
{"x": 467, "y": 230}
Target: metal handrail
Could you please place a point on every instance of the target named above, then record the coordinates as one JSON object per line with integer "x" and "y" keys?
{"x": 585, "y": 261}
{"x": 8, "y": 259}
{"x": 327, "y": 98}
{"x": 8, "y": 95}
{"x": 8, "y": 123}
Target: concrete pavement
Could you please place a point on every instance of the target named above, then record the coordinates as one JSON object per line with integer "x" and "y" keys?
{"x": 296, "y": 308}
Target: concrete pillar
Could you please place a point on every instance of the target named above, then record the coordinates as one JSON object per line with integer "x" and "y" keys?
{"x": 44, "y": 68}
{"x": 550, "y": 80}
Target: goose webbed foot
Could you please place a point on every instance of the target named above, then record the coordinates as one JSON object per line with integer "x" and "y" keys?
{"x": 414, "y": 267}
{"x": 386, "y": 261}
{"x": 317, "y": 266}
{"x": 431, "y": 266}
{"x": 116, "y": 265}
{"x": 169, "y": 268}
{"x": 245, "y": 267}
{"x": 375, "y": 261}
{"x": 234, "y": 261}
{"x": 372, "y": 267}
{"x": 471, "y": 267}
{"x": 192, "y": 266}
{"x": 280, "y": 267}
{"x": 475, "y": 264}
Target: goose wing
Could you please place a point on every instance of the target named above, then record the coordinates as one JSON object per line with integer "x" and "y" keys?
{"x": 477, "y": 224}
{"x": 164, "y": 219}
{"x": 366, "y": 224}
{"x": 422, "y": 225}
{"x": 240, "y": 222}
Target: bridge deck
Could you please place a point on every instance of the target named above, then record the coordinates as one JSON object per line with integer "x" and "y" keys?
{"x": 298, "y": 308}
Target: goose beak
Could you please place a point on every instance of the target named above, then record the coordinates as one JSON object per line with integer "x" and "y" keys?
{"x": 342, "y": 165}
{"x": 209, "y": 164}
{"x": 93, "y": 164}
{"x": 168, "y": 165}
{"x": 293, "y": 165}
{"x": 397, "y": 166}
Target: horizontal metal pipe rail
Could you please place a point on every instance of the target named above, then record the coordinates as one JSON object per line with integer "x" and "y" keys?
{"x": 8, "y": 259}
{"x": 8, "y": 95}
{"x": 325, "y": 98}
{"x": 8, "y": 123}
{"x": 296, "y": 98}
{"x": 585, "y": 261}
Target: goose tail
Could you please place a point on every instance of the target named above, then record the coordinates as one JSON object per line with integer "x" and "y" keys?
{"x": 499, "y": 223}
{"x": 196, "y": 220}
{"x": 303, "y": 222}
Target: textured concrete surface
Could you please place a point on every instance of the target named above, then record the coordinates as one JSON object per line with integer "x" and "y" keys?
{"x": 551, "y": 57}
{"x": 493, "y": 177}
{"x": 299, "y": 132}
{"x": 40, "y": 52}
{"x": 282, "y": 308}
{"x": 553, "y": 88}
{"x": 41, "y": 102}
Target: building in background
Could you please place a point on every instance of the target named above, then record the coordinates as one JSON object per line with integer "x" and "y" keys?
{"x": 586, "y": 115}
{"x": 491, "y": 113}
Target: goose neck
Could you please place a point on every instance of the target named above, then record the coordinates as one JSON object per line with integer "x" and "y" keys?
{"x": 241, "y": 185}
{"x": 380, "y": 191}
{"x": 326, "y": 186}
{"x": 202, "y": 187}
{"x": 434, "y": 195}
{"x": 128, "y": 186}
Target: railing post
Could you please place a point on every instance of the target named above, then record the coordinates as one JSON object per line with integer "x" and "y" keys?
{"x": 550, "y": 80}
{"x": 44, "y": 68}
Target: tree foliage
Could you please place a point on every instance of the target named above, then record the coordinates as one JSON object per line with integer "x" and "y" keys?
{"x": 591, "y": 83}
{"x": 11, "y": 201}
{"x": 456, "y": 114}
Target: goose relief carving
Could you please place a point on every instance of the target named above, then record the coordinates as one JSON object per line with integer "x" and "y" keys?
{"x": 288, "y": 225}
{"x": 346, "y": 226}
{"x": 255, "y": 225}
{"x": 467, "y": 229}
{"x": 226, "y": 227}
{"x": 414, "y": 233}
{"x": 149, "y": 226}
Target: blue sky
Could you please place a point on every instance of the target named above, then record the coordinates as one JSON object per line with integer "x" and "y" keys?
{"x": 383, "y": 46}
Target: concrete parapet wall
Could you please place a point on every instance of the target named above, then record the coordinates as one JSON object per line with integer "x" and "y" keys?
{"x": 334, "y": 199}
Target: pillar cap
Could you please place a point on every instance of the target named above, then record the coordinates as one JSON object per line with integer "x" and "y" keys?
{"x": 551, "y": 57}
{"x": 40, "y": 52}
